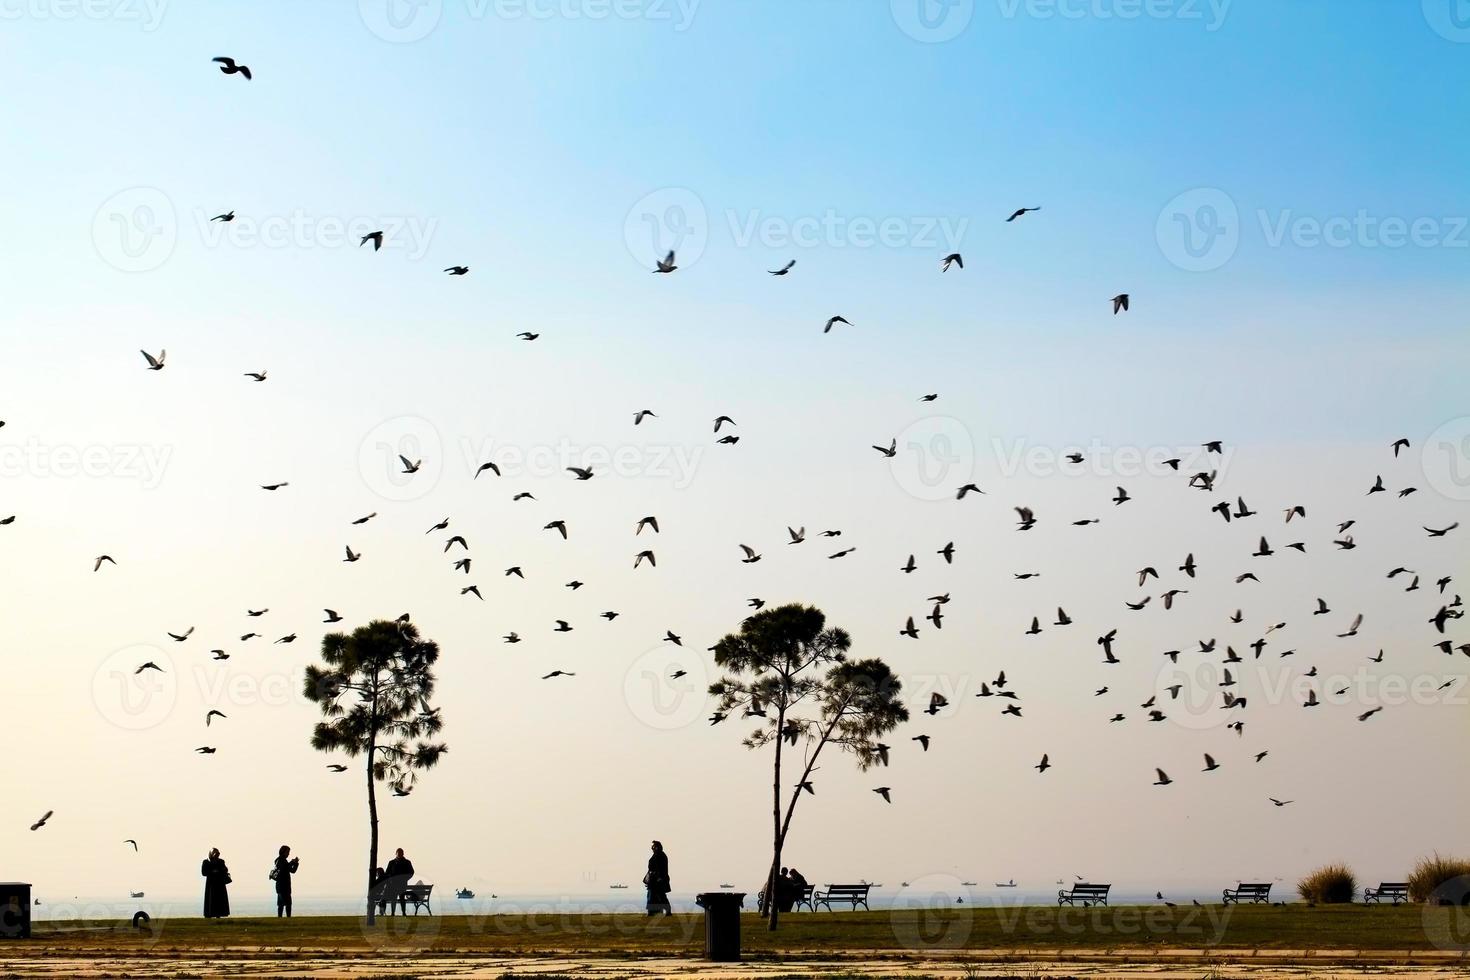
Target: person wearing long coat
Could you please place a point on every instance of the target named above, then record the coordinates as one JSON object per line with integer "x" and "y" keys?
{"x": 284, "y": 868}
{"x": 216, "y": 877}
{"x": 657, "y": 881}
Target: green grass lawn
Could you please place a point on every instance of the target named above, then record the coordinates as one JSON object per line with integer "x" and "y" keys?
{"x": 898, "y": 933}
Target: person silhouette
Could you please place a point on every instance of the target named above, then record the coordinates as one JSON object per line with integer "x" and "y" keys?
{"x": 796, "y": 889}
{"x": 216, "y": 876}
{"x": 395, "y": 881}
{"x": 657, "y": 881}
{"x": 285, "y": 867}
{"x": 376, "y": 893}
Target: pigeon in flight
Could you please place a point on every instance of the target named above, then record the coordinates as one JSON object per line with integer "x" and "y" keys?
{"x": 1120, "y": 303}
{"x": 458, "y": 270}
{"x": 666, "y": 264}
{"x": 228, "y": 66}
{"x": 230, "y": 216}
{"x": 783, "y": 270}
{"x": 376, "y": 237}
{"x": 953, "y": 258}
{"x": 1018, "y": 212}
{"x": 154, "y": 363}
{"x": 831, "y": 321}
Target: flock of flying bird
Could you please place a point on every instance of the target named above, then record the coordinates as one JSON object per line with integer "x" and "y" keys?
{"x": 1449, "y": 604}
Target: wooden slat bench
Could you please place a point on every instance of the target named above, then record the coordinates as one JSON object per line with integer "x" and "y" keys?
{"x": 1394, "y": 891}
{"x": 1257, "y": 892}
{"x": 1086, "y": 893}
{"x": 418, "y": 897}
{"x": 854, "y": 895}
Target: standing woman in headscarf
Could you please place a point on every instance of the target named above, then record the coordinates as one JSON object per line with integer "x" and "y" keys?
{"x": 657, "y": 881}
{"x": 285, "y": 867}
{"x": 216, "y": 877}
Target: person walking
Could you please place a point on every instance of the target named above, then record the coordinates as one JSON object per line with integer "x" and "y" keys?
{"x": 216, "y": 876}
{"x": 285, "y": 867}
{"x": 657, "y": 881}
{"x": 396, "y": 877}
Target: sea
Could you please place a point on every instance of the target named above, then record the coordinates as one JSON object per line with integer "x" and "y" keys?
{"x": 920, "y": 894}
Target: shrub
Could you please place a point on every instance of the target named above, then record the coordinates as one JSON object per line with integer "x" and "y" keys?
{"x": 1432, "y": 872}
{"x": 1331, "y": 884}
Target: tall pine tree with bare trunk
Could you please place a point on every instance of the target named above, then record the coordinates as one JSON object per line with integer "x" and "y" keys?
{"x": 788, "y": 669}
{"x": 373, "y": 688}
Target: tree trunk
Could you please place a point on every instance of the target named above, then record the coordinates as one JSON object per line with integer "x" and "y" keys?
{"x": 783, "y": 827}
{"x": 772, "y": 906}
{"x": 372, "y": 835}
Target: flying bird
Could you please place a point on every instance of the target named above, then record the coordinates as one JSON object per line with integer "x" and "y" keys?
{"x": 228, "y": 66}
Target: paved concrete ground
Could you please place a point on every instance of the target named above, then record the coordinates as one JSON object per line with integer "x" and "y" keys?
{"x": 1094, "y": 965}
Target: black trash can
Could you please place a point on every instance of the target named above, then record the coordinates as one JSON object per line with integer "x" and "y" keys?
{"x": 721, "y": 924}
{"x": 15, "y": 910}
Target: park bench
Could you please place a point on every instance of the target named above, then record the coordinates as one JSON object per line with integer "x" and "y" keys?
{"x": 1087, "y": 894}
{"x": 1258, "y": 892}
{"x": 854, "y": 895}
{"x": 805, "y": 899}
{"x": 418, "y": 897}
{"x": 1394, "y": 891}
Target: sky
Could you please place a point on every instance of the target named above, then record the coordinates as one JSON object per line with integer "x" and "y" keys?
{"x": 1279, "y": 187}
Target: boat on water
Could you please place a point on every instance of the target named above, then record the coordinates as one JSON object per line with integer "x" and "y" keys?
{"x": 135, "y": 894}
{"x": 968, "y": 884}
{"x": 905, "y": 884}
{"x": 726, "y": 885}
{"x": 1006, "y": 884}
{"x": 617, "y": 886}
{"x": 463, "y": 893}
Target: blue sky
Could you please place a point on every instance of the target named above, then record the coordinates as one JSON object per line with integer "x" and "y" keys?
{"x": 536, "y": 149}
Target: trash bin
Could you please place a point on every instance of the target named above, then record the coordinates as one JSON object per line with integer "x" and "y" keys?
{"x": 721, "y": 924}
{"x": 15, "y": 910}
